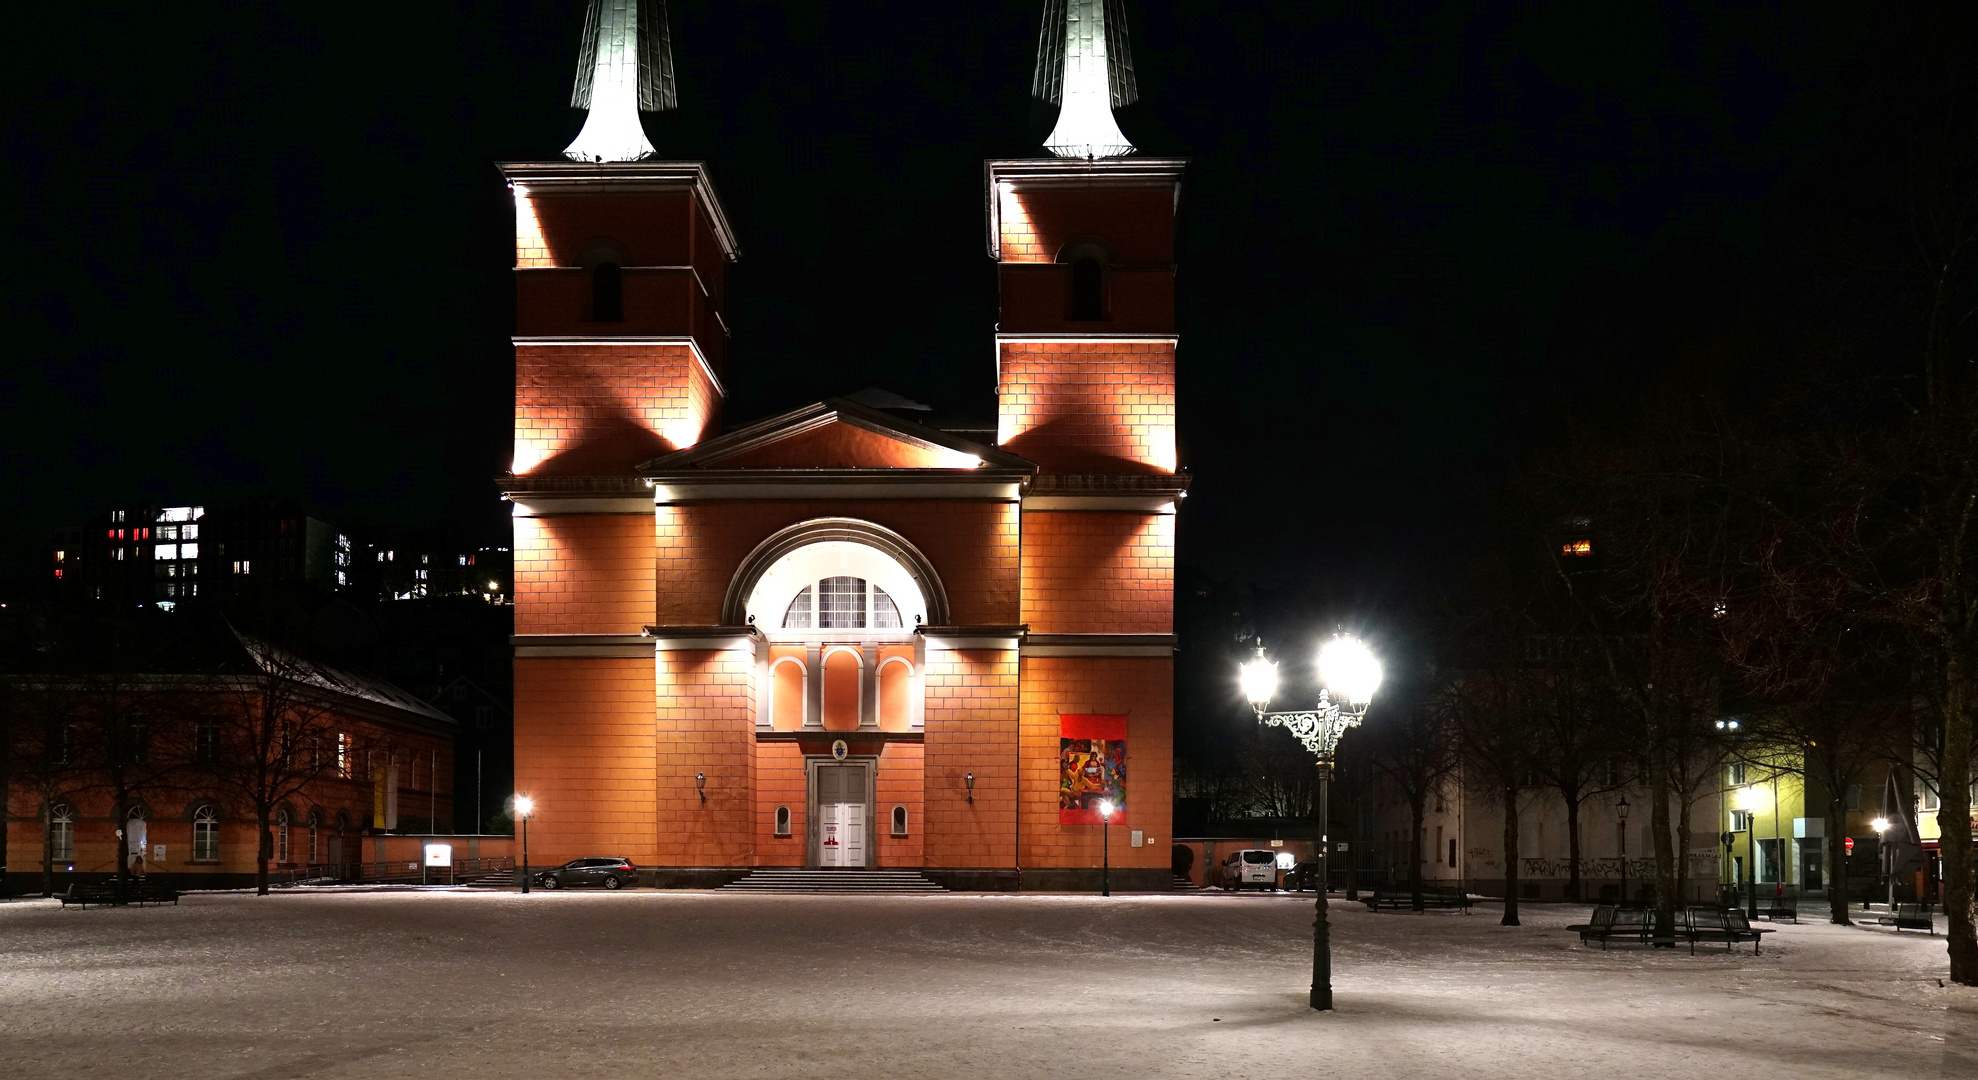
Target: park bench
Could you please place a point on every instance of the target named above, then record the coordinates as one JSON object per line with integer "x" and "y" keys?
{"x": 1729, "y": 925}
{"x": 1396, "y": 899}
{"x": 1783, "y": 909}
{"x": 1914, "y": 917}
{"x": 150, "y": 890}
{"x": 1613, "y": 923}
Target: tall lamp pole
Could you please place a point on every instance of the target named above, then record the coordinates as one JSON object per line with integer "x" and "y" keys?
{"x": 1623, "y": 811}
{"x": 1348, "y": 666}
{"x": 1105, "y": 847}
{"x": 1883, "y": 862}
{"x": 524, "y": 806}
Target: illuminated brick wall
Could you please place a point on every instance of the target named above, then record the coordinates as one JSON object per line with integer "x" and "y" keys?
{"x": 1086, "y": 572}
{"x": 971, "y": 708}
{"x": 705, "y": 724}
{"x": 973, "y": 546}
{"x": 584, "y": 750}
{"x": 583, "y": 574}
{"x": 1088, "y": 406}
{"x": 1143, "y": 690}
{"x": 596, "y": 409}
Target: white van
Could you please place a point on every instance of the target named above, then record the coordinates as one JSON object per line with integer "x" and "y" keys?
{"x": 1251, "y": 866}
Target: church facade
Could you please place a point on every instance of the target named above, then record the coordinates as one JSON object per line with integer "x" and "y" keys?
{"x": 840, "y": 638}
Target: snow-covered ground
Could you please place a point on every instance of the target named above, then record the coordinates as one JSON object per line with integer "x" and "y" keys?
{"x": 706, "y": 985}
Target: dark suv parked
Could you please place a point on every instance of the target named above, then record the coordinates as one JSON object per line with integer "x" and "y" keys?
{"x": 610, "y": 873}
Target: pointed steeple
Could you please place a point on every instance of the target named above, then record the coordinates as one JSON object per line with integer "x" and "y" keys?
{"x": 1084, "y": 66}
{"x": 624, "y": 67}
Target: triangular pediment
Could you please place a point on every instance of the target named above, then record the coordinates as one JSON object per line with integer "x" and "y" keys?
{"x": 836, "y": 434}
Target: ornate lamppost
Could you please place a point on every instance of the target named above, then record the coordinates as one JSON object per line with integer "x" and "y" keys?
{"x": 1106, "y": 847}
{"x": 524, "y": 806}
{"x": 1622, "y": 810}
{"x": 1349, "y": 667}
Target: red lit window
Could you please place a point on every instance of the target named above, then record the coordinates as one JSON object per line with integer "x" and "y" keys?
{"x": 1576, "y": 547}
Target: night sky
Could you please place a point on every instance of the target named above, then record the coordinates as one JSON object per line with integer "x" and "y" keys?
{"x": 263, "y": 250}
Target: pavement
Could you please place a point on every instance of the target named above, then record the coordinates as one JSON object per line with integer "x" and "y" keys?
{"x": 647, "y": 983}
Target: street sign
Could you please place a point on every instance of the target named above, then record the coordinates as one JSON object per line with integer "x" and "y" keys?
{"x": 1847, "y": 844}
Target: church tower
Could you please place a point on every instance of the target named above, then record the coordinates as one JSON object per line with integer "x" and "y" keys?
{"x": 1084, "y": 244}
{"x": 620, "y": 342}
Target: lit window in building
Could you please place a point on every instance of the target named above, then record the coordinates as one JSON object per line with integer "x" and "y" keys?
{"x": 281, "y": 836}
{"x": 188, "y": 551}
{"x": 797, "y": 616}
{"x": 206, "y": 834}
{"x": 62, "y": 832}
{"x": 1576, "y": 548}
{"x": 166, "y": 551}
{"x": 841, "y": 603}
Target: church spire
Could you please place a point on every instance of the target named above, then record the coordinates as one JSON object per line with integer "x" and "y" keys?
{"x": 1084, "y": 66}
{"x": 624, "y": 67}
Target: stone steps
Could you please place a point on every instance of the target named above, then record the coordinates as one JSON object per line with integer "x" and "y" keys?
{"x": 793, "y": 880}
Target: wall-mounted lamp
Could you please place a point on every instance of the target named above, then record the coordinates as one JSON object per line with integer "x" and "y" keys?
{"x": 700, "y": 784}
{"x": 969, "y": 779}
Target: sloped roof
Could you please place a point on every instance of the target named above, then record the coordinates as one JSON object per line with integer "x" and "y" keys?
{"x": 837, "y": 434}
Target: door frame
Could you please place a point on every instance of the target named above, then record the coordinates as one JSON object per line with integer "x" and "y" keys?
{"x": 812, "y": 857}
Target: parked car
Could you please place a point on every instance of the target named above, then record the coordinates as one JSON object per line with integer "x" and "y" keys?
{"x": 1251, "y": 866}
{"x": 1301, "y": 877}
{"x": 612, "y": 873}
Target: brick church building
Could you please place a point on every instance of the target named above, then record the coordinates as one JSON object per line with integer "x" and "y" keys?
{"x": 838, "y": 638}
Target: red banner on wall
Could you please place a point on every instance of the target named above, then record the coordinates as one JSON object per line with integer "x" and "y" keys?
{"x": 1091, "y": 766}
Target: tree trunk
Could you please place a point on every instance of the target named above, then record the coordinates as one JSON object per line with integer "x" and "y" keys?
{"x": 1417, "y": 809}
{"x": 1837, "y": 863}
{"x": 1683, "y": 852}
{"x": 1954, "y": 823}
{"x": 263, "y": 852}
{"x": 1510, "y": 854}
{"x": 1665, "y": 863}
{"x": 1572, "y": 844}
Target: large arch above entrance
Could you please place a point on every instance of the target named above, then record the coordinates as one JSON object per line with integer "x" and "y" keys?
{"x": 911, "y": 565}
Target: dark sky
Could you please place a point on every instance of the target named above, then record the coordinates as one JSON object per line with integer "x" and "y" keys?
{"x": 262, "y": 249}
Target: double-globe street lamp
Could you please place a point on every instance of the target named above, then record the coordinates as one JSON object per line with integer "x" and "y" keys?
{"x": 1348, "y": 667}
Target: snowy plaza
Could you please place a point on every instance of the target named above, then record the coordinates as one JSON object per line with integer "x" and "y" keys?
{"x": 703, "y": 984}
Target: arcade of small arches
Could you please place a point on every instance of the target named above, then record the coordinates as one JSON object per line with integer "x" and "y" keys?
{"x": 837, "y": 618}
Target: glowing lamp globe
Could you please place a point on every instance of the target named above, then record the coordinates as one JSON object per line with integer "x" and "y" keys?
{"x": 1880, "y": 825}
{"x": 524, "y": 806}
{"x": 1259, "y": 679}
{"x": 1105, "y": 808}
{"x": 1349, "y": 668}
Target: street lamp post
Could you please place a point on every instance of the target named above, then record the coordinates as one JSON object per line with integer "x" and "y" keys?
{"x": 1882, "y": 861}
{"x": 524, "y": 806}
{"x": 1105, "y": 847}
{"x": 1623, "y": 811}
{"x": 1348, "y": 666}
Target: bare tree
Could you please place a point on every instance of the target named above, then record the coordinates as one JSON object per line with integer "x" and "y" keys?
{"x": 273, "y": 734}
{"x": 1413, "y": 747}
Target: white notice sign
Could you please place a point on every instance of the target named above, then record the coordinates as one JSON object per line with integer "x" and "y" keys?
{"x": 439, "y": 855}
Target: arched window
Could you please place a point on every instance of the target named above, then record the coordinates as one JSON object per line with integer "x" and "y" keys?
{"x": 899, "y": 821}
{"x": 786, "y": 694}
{"x": 841, "y": 698}
{"x": 842, "y": 603}
{"x": 206, "y": 834}
{"x": 607, "y": 293}
{"x": 315, "y": 829}
{"x": 895, "y": 694}
{"x": 61, "y": 832}
{"x": 1087, "y": 290}
{"x": 281, "y": 836}
{"x": 782, "y": 821}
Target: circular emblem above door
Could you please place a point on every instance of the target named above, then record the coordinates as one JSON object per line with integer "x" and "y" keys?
{"x": 838, "y": 750}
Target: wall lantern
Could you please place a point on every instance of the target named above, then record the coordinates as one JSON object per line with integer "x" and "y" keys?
{"x": 700, "y": 785}
{"x": 969, "y": 779}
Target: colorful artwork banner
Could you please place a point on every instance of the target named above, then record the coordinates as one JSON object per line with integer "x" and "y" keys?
{"x": 1091, "y": 767}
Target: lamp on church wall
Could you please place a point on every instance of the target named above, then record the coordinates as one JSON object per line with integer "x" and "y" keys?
{"x": 968, "y": 780}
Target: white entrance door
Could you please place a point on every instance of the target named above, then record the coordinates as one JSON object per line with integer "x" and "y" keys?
{"x": 841, "y": 814}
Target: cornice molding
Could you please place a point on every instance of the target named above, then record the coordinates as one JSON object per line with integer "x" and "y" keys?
{"x": 584, "y": 178}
